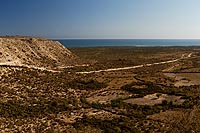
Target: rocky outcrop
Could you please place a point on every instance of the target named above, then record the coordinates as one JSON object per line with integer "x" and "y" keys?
{"x": 37, "y": 52}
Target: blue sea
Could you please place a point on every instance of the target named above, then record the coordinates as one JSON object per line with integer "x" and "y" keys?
{"x": 128, "y": 42}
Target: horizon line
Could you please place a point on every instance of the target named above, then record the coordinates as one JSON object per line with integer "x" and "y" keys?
{"x": 124, "y": 38}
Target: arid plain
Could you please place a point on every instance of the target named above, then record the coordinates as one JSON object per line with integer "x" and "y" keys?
{"x": 99, "y": 89}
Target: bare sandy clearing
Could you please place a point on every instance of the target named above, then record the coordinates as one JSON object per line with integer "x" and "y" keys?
{"x": 153, "y": 99}
{"x": 185, "y": 79}
{"x": 106, "y": 96}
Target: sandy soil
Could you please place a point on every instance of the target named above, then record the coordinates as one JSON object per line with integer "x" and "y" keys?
{"x": 185, "y": 79}
{"x": 154, "y": 99}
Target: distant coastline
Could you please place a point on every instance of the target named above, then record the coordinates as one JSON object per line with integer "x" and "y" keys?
{"x": 128, "y": 42}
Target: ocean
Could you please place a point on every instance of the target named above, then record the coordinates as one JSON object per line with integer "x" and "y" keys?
{"x": 128, "y": 42}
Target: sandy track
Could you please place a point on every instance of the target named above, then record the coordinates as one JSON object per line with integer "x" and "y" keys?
{"x": 138, "y": 66}
{"x": 105, "y": 70}
{"x": 10, "y": 64}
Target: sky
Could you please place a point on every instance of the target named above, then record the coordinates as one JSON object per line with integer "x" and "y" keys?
{"x": 152, "y": 19}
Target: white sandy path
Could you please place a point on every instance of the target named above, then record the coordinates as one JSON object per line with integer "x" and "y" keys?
{"x": 13, "y": 64}
{"x": 138, "y": 66}
{"x": 16, "y": 64}
{"x": 106, "y": 70}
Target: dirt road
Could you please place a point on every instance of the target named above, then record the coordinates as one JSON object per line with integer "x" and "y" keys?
{"x": 138, "y": 66}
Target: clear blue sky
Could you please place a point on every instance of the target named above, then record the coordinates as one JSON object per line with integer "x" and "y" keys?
{"x": 101, "y": 18}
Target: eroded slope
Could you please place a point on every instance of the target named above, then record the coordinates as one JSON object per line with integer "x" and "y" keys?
{"x": 27, "y": 51}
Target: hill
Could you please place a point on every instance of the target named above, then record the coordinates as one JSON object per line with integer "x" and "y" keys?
{"x": 36, "y": 52}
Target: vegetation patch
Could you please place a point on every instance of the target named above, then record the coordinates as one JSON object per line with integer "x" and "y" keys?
{"x": 17, "y": 109}
{"x": 142, "y": 88}
{"x": 86, "y": 84}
